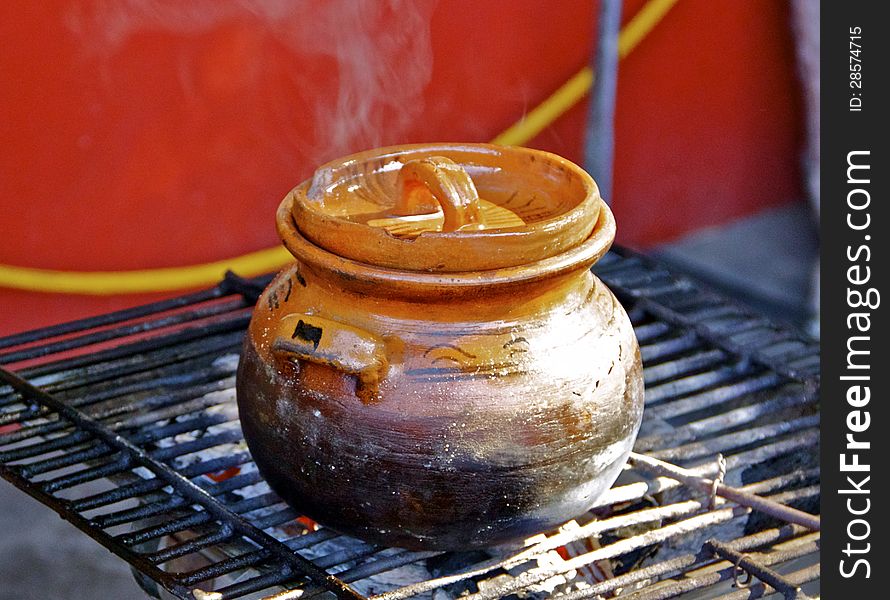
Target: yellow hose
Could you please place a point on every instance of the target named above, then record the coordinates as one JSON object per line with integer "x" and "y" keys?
{"x": 564, "y": 98}
{"x": 100, "y": 283}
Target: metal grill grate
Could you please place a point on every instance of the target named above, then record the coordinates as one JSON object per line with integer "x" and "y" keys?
{"x": 125, "y": 425}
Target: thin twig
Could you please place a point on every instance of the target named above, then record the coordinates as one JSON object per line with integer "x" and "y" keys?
{"x": 770, "y": 507}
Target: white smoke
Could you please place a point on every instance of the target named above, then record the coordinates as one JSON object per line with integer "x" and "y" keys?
{"x": 381, "y": 48}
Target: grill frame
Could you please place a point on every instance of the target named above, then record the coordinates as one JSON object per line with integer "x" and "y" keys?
{"x": 100, "y": 409}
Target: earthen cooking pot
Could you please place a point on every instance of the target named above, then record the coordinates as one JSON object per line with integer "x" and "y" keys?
{"x": 439, "y": 368}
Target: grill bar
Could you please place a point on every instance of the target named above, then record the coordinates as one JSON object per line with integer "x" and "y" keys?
{"x": 680, "y": 565}
{"x": 131, "y": 452}
{"x": 595, "y": 528}
{"x": 193, "y": 545}
{"x": 678, "y": 588}
{"x": 116, "y": 546}
{"x": 747, "y": 436}
{"x": 140, "y": 355}
{"x": 619, "y": 275}
{"x": 111, "y": 318}
{"x": 110, "y": 334}
{"x": 626, "y": 545}
{"x": 759, "y": 590}
{"x": 761, "y": 572}
{"x": 707, "y": 400}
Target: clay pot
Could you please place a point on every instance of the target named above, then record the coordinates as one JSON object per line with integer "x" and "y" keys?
{"x": 451, "y": 380}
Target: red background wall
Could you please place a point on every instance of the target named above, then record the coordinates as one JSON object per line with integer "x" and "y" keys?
{"x": 152, "y": 134}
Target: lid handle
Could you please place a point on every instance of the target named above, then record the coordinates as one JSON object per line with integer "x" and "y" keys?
{"x": 436, "y": 179}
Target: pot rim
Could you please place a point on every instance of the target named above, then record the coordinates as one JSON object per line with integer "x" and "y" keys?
{"x": 571, "y": 222}
{"x": 376, "y": 280}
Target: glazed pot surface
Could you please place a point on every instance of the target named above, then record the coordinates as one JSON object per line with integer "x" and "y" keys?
{"x": 440, "y": 410}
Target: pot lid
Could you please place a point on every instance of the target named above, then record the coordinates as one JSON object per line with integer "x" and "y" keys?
{"x": 446, "y": 207}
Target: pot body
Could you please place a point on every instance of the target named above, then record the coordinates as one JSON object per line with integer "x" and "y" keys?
{"x": 439, "y": 422}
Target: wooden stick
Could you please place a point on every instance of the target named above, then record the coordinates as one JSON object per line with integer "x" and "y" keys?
{"x": 775, "y": 509}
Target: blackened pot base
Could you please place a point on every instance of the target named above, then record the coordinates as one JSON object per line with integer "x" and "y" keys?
{"x": 447, "y": 458}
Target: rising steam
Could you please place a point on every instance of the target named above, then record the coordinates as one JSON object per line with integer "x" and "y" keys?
{"x": 381, "y": 48}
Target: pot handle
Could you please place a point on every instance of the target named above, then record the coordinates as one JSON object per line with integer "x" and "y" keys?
{"x": 443, "y": 181}
{"x": 330, "y": 343}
